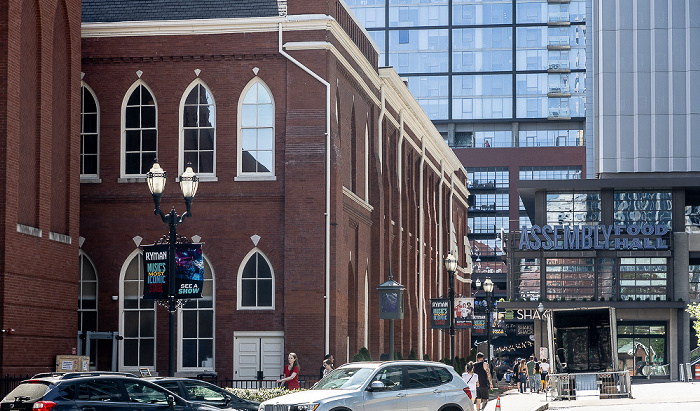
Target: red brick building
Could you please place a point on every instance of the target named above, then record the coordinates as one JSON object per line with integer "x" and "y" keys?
{"x": 39, "y": 181}
{"x": 319, "y": 175}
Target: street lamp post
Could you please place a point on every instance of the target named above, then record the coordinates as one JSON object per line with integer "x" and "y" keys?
{"x": 188, "y": 185}
{"x": 391, "y": 306}
{"x": 488, "y": 289}
{"x": 540, "y": 309}
{"x": 451, "y": 266}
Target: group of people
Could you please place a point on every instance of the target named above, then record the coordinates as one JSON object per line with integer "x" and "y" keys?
{"x": 290, "y": 380}
{"x": 477, "y": 375}
{"x": 530, "y": 374}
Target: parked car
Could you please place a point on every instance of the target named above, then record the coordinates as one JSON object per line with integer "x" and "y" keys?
{"x": 94, "y": 391}
{"x": 381, "y": 386}
{"x": 204, "y": 392}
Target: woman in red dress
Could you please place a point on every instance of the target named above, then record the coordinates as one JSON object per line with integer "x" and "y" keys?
{"x": 291, "y": 373}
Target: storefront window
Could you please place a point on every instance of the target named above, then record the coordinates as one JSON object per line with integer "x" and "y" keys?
{"x": 643, "y": 278}
{"x": 570, "y": 278}
{"x": 641, "y": 349}
{"x": 694, "y": 278}
{"x": 573, "y": 208}
{"x": 527, "y": 279}
{"x": 645, "y": 206}
{"x": 606, "y": 278}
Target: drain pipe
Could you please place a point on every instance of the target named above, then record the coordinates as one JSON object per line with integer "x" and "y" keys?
{"x": 327, "y": 269}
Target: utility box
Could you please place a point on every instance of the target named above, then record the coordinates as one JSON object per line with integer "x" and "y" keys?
{"x": 72, "y": 363}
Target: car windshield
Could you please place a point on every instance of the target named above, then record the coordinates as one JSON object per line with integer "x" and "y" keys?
{"x": 349, "y": 378}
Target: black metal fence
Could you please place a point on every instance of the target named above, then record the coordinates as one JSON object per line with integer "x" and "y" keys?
{"x": 9, "y": 382}
{"x": 305, "y": 382}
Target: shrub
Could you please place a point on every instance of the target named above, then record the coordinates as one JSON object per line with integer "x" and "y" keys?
{"x": 358, "y": 357}
{"x": 260, "y": 395}
{"x": 426, "y": 357}
{"x": 412, "y": 355}
{"x": 365, "y": 354}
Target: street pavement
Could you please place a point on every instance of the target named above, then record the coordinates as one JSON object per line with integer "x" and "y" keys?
{"x": 685, "y": 393}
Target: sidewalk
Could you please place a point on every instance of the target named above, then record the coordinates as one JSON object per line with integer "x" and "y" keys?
{"x": 513, "y": 400}
{"x": 642, "y": 393}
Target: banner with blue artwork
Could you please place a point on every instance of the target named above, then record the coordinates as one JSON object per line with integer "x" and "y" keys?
{"x": 189, "y": 270}
{"x": 188, "y": 273}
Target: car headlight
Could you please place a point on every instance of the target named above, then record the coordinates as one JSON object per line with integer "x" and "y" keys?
{"x": 304, "y": 407}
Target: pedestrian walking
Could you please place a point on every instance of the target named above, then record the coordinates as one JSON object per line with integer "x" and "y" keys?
{"x": 538, "y": 377}
{"x": 471, "y": 379}
{"x": 522, "y": 376}
{"x": 484, "y": 384}
{"x": 291, "y": 373}
{"x": 322, "y": 372}
{"x": 545, "y": 373}
{"x": 531, "y": 372}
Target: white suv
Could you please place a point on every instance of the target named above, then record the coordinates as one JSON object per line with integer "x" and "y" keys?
{"x": 381, "y": 386}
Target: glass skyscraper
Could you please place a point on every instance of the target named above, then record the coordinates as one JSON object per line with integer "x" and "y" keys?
{"x": 506, "y": 74}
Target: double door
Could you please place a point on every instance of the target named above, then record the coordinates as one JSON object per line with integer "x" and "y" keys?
{"x": 258, "y": 355}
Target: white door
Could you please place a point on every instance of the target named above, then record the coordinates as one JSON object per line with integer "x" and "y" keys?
{"x": 258, "y": 353}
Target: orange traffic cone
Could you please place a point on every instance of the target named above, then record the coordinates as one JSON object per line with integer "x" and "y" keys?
{"x": 498, "y": 404}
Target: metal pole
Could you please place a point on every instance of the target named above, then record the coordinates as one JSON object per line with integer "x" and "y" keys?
{"x": 488, "y": 327}
{"x": 391, "y": 340}
{"x": 452, "y": 314}
{"x": 171, "y": 293}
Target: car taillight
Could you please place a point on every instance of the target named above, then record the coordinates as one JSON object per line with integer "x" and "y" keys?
{"x": 467, "y": 391}
{"x": 43, "y": 405}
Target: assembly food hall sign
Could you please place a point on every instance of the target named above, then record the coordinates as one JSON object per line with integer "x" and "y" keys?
{"x": 594, "y": 237}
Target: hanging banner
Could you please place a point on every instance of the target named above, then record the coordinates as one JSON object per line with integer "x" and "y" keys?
{"x": 439, "y": 313}
{"x": 464, "y": 312}
{"x": 155, "y": 272}
{"x": 189, "y": 271}
{"x": 479, "y": 324}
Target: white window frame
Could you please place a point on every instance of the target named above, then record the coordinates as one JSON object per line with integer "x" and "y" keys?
{"x": 180, "y": 326}
{"x": 84, "y": 85}
{"x": 181, "y": 154}
{"x": 122, "y": 148}
{"x": 239, "y": 282}
{"x": 134, "y": 254}
{"x": 254, "y": 176}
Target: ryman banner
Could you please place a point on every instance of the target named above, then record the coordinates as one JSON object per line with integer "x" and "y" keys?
{"x": 189, "y": 271}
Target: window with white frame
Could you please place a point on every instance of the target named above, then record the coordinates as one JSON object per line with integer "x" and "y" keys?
{"x": 138, "y": 322}
{"x": 87, "y": 302}
{"x": 198, "y": 113}
{"x": 197, "y": 325}
{"x": 89, "y": 133}
{"x": 256, "y": 120}
{"x": 256, "y": 283}
{"x": 140, "y": 135}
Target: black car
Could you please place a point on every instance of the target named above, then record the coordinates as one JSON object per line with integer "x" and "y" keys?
{"x": 205, "y": 393}
{"x": 94, "y": 392}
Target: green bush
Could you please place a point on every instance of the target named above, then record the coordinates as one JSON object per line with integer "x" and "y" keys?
{"x": 398, "y": 355}
{"x": 365, "y": 354}
{"x": 358, "y": 357}
{"x": 412, "y": 355}
{"x": 260, "y": 395}
{"x": 426, "y": 357}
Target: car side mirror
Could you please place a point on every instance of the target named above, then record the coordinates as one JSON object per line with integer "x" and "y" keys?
{"x": 171, "y": 402}
{"x": 377, "y": 386}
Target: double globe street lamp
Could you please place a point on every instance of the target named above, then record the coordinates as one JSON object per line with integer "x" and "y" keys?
{"x": 488, "y": 289}
{"x": 189, "y": 182}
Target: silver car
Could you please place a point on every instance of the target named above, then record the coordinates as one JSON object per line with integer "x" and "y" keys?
{"x": 381, "y": 386}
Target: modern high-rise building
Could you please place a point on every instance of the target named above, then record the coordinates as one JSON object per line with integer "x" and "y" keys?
{"x": 504, "y": 81}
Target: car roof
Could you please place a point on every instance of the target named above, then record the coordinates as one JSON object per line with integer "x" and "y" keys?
{"x": 377, "y": 364}
{"x": 60, "y": 376}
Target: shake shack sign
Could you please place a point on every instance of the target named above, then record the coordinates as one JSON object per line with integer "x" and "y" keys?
{"x": 594, "y": 237}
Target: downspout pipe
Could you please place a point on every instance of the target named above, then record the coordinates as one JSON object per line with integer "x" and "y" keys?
{"x": 327, "y": 268}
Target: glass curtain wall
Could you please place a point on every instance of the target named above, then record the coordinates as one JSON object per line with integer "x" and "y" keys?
{"x": 486, "y": 59}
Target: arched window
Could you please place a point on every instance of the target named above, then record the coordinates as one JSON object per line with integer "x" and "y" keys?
{"x": 89, "y": 133}
{"x": 256, "y": 132}
{"x": 87, "y": 305}
{"x": 198, "y": 130}
{"x": 138, "y": 317}
{"x": 140, "y": 131}
{"x": 256, "y": 282}
{"x": 87, "y": 301}
{"x": 197, "y": 327}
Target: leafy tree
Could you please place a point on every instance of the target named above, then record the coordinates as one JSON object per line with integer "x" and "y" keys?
{"x": 694, "y": 310}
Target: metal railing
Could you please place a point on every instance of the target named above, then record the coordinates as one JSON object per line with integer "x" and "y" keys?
{"x": 305, "y": 382}
{"x": 603, "y": 385}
